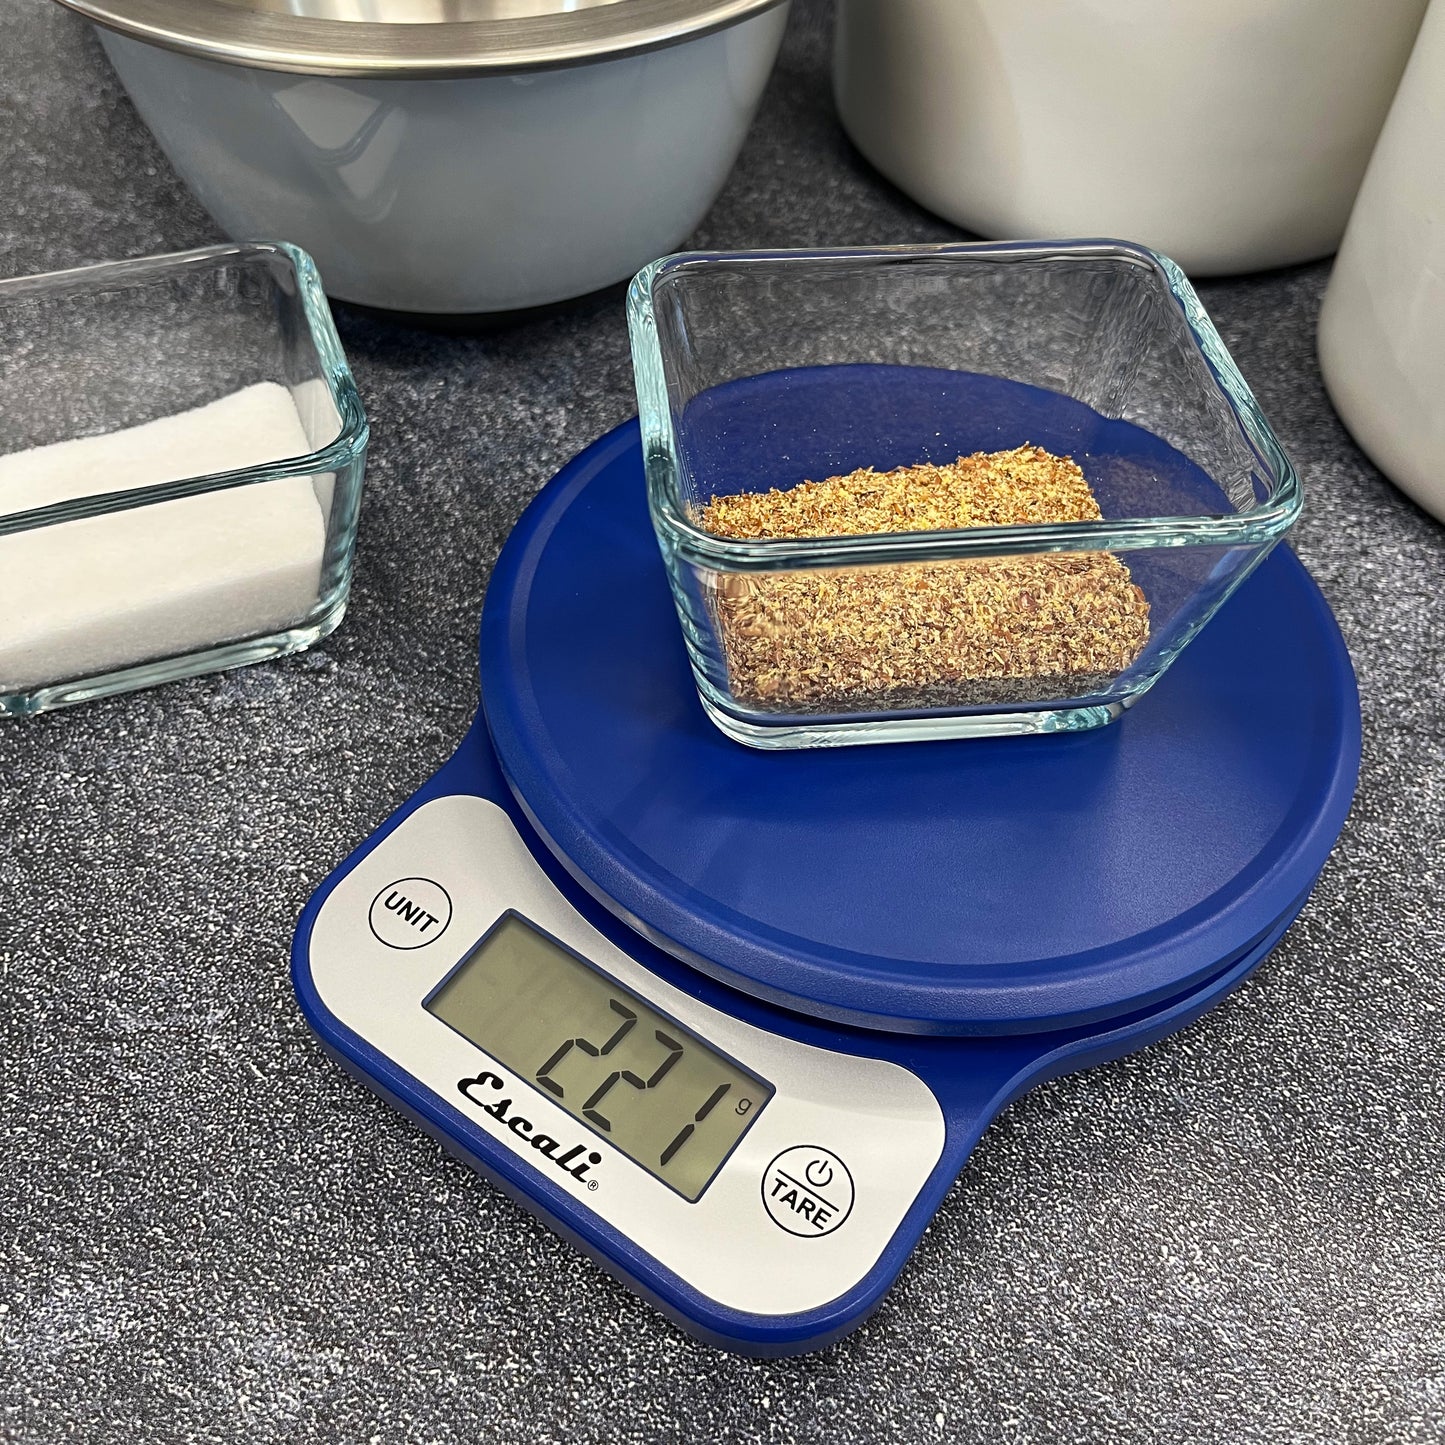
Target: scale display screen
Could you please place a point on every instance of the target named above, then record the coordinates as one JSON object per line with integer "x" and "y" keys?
{"x": 667, "y": 1100}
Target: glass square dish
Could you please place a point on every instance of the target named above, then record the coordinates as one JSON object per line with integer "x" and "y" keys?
{"x": 181, "y": 457}
{"x": 762, "y": 370}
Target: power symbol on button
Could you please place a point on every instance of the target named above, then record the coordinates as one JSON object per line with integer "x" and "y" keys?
{"x": 818, "y": 1172}
{"x": 808, "y": 1191}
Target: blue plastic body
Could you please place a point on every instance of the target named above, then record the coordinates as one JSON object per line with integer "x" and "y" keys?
{"x": 972, "y": 1077}
{"x": 973, "y": 1080}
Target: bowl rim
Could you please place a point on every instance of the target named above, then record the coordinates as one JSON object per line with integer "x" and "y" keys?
{"x": 1259, "y": 525}
{"x": 262, "y": 38}
{"x": 344, "y": 449}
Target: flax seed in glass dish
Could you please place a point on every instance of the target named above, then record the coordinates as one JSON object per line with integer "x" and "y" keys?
{"x": 943, "y": 491}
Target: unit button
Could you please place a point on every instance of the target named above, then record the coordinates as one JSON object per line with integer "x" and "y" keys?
{"x": 808, "y": 1191}
{"x": 410, "y": 913}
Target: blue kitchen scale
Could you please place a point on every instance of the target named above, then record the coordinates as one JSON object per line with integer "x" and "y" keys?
{"x": 732, "y": 1020}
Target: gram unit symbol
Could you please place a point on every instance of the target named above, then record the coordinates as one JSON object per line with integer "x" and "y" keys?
{"x": 410, "y": 913}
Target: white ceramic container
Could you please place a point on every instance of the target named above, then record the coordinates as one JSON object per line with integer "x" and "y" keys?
{"x": 510, "y": 154}
{"x": 1382, "y": 327}
{"x": 1229, "y": 134}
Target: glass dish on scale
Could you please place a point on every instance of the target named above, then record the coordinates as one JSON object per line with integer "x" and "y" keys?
{"x": 759, "y": 370}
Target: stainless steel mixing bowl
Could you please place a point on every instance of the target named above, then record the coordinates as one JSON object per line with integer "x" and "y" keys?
{"x": 450, "y": 156}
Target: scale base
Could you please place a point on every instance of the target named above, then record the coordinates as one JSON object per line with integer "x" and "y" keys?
{"x": 971, "y": 1079}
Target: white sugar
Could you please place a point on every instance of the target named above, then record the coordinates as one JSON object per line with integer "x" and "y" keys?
{"x": 86, "y": 597}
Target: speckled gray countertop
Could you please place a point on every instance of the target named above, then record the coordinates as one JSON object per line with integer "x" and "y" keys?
{"x": 208, "y": 1233}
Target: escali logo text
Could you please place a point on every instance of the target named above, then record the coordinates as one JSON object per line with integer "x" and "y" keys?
{"x": 574, "y": 1162}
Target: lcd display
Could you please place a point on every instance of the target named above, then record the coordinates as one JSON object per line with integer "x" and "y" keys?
{"x": 666, "y": 1099}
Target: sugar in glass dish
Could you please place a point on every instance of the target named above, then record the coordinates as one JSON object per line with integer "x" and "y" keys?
{"x": 181, "y": 457}
{"x": 760, "y": 370}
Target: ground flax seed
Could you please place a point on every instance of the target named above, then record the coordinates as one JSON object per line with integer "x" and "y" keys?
{"x": 974, "y": 632}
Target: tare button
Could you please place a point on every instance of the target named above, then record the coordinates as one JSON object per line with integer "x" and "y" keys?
{"x": 410, "y": 913}
{"x": 808, "y": 1191}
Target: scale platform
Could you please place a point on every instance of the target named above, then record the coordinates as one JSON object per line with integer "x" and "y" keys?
{"x": 731, "y": 1021}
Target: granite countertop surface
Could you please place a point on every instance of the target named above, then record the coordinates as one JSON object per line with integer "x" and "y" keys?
{"x": 209, "y": 1233}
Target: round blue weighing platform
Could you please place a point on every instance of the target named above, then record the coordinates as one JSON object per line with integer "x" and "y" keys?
{"x": 980, "y": 886}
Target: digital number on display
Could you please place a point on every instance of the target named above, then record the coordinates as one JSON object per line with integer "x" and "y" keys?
{"x": 667, "y": 1100}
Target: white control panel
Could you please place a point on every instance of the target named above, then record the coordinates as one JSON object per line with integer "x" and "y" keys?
{"x": 797, "y": 1212}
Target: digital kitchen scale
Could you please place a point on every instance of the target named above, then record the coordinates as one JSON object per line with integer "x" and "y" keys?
{"x": 732, "y": 1020}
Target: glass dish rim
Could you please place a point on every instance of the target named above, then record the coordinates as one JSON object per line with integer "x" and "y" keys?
{"x": 1260, "y": 524}
{"x": 349, "y": 443}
